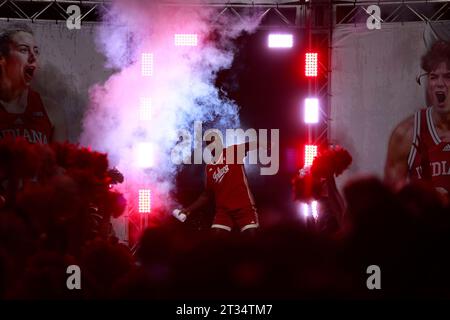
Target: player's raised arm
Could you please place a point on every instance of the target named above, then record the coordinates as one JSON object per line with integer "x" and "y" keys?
{"x": 240, "y": 151}
{"x": 400, "y": 142}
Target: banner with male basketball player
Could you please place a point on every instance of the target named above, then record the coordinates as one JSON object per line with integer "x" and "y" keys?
{"x": 374, "y": 86}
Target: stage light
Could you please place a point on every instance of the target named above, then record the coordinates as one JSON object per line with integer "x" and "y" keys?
{"x": 311, "y": 110}
{"x": 186, "y": 40}
{"x": 314, "y": 210}
{"x": 280, "y": 41}
{"x": 310, "y": 154}
{"x": 147, "y": 64}
{"x": 145, "y": 201}
{"x": 144, "y": 155}
{"x": 305, "y": 210}
{"x": 311, "y": 64}
{"x": 145, "y": 108}
{"x": 308, "y": 209}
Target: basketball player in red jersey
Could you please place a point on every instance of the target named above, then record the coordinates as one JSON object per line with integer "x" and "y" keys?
{"x": 22, "y": 112}
{"x": 226, "y": 181}
{"x": 419, "y": 147}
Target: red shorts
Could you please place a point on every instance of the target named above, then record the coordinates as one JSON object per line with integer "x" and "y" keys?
{"x": 244, "y": 219}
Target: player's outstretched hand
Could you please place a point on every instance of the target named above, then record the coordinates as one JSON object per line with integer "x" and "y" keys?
{"x": 180, "y": 214}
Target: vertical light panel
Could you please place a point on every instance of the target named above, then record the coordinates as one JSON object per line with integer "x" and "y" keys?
{"x": 144, "y": 155}
{"x": 311, "y": 64}
{"x": 145, "y": 109}
{"x": 311, "y": 110}
{"x": 305, "y": 209}
{"x": 145, "y": 201}
{"x": 308, "y": 209}
{"x": 314, "y": 209}
{"x": 310, "y": 154}
{"x": 280, "y": 41}
{"x": 186, "y": 40}
{"x": 147, "y": 64}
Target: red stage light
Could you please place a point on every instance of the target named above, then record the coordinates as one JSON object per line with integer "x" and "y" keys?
{"x": 145, "y": 203}
{"x": 311, "y": 64}
{"x": 186, "y": 40}
{"x": 310, "y": 154}
{"x": 145, "y": 109}
{"x": 147, "y": 64}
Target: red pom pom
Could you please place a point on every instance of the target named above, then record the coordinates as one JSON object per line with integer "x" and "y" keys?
{"x": 332, "y": 161}
{"x": 342, "y": 160}
{"x": 308, "y": 183}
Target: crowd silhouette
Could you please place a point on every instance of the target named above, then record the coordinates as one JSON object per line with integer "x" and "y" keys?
{"x": 58, "y": 204}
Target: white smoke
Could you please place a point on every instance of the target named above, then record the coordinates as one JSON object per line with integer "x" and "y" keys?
{"x": 181, "y": 88}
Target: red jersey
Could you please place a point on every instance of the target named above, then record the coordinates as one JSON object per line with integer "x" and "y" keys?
{"x": 429, "y": 157}
{"x": 33, "y": 124}
{"x": 229, "y": 184}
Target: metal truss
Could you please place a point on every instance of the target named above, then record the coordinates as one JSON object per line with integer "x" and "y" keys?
{"x": 393, "y": 11}
{"x": 50, "y": 10}
{"x": 273, "y": 15}
{"x": 322, "y": 89}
